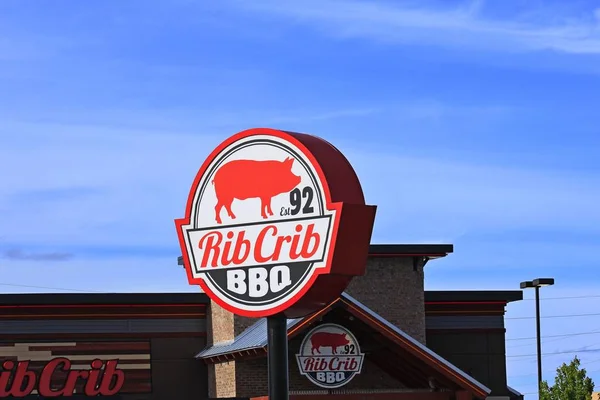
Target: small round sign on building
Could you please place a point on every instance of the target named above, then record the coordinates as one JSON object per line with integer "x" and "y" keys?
{"x": 330, "y": 356}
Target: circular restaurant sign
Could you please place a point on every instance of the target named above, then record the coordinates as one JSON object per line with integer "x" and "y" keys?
{"x": 330, "y": 356}
{"x": 264, "y": 221}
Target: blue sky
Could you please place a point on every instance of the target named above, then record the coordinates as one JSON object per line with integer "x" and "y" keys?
{"x": 469, "y": 123}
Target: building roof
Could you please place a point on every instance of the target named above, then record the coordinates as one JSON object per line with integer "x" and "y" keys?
{"x": 202, "y": 298}
{"x": 255, "y": 337}
{"x": 400, "y": 250}
{"x": 102, "y": 298}
{"x": 515, "y": 392}
{"x": 405, "y": 339}
{"x": 446, "y": 296}
{"x": 253, "y": 341}
{"x": 410, "y": 250}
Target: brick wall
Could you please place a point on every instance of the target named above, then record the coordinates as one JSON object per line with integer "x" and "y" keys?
{"x": 392, "y": 289}
{"x": 252, "y": 377}
{"x": 241, "y": 323}
{"x": 219, "y": 324}
{"x": 221, "y": 377}
{"x": 224, "y": 380}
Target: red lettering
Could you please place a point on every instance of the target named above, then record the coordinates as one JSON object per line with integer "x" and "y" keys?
{"x": 5, "y": 377}
{"x": 98, "y": 382}
{"x": 309, "y": 364}
{"x": 45, "y": 386}
{"x": 92, "y": 386}
{"x": 322, "y": 365}
{"x": 294, "y": 247}
{"x": 258, "y": 256}
{"x": 71, "y": 381}
{"x": 335, "y": 364}
{"x": 111, "y": 373}
{"x": 241, "y": 250}
{"x": 211, "y": 243}
{"x": 279, "y": 246}
{"x": 24, "y": 381}
{"x": 308, "y": 238}
{"x": 259, "y": 245}
{"x": 353, "y": 364}
{"x": 227, "y": 249}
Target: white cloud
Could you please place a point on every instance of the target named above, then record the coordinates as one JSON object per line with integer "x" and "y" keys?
{"x": 89, "y": 275}
{"x": 98, "y": 184}
{"x": 127, "y": 186}
{"x": 438, "y": 197}
{"x": 514, "y": 256}
{"x": 461, "y": 27}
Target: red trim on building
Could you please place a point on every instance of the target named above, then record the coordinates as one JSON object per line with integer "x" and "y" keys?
{"x": 67, "y": 336}
{"x": 102, "y": 311}
{"x": 103, "y": 305}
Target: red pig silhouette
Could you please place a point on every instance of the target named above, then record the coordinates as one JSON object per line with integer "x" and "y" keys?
{"x": 327, "y": 339}
{"x": 246, "y": 179}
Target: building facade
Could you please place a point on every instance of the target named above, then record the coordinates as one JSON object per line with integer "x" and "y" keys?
{"x": 154, "y": 337}
{"x": 415, "y": 344}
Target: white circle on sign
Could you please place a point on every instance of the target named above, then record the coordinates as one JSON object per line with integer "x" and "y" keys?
{"x": 259, "y": 225}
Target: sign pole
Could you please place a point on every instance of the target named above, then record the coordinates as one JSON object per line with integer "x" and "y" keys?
{"x": 278, "y": 357}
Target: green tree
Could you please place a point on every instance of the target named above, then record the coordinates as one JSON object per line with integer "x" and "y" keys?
{"x": 571, "y": 383}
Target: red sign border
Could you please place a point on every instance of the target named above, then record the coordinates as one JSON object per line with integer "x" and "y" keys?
{"x": 346, "y": 192}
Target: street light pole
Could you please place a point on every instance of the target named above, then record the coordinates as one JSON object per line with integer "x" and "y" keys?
{"x": 538, "y": 336}
{"x": 537, "y": 284}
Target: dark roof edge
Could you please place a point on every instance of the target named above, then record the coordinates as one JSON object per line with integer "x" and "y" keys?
{"x": 102, "y": 298}
{"x": 387, "y": 250}
{"x": 514, "y": 391}
{"x": 473, "y": 295}
{"x": 400, "y": 250}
